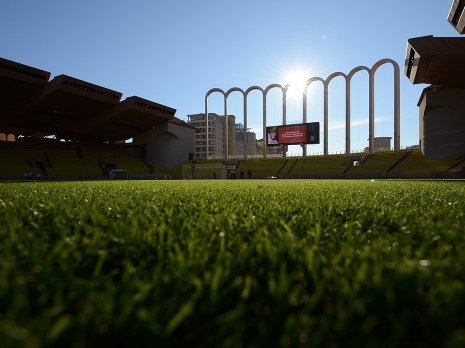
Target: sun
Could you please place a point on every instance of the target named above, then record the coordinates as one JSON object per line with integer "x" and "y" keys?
{"x": 296, "y": 81}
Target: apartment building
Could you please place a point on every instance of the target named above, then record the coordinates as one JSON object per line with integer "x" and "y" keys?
{"x": 216, "y": 136}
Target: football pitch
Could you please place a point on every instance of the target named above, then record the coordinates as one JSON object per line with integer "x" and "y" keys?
{"x": 252, "y": 263}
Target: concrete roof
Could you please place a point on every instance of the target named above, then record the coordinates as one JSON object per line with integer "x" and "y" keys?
{"x": 436, "y": 60}
{"x": 71, "y": 108}
{"x": 457, "y": 15}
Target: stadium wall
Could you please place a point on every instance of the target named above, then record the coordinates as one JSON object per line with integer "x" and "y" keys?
{"x": 442, "y": 125}
{"x": 168, "y": 145}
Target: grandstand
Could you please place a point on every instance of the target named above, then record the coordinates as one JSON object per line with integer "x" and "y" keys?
{"x": 377, "y": 165}
{"x": 55, "y": 160}
{"x": 385, "y": 164}
{"x": 260, "y": 168}
{"x": 66, "y": 128}
{"x": 69, "y": 129}
{"x": 81, "y": 161}
{"x": 320, "y": 167}
{"x": 417, "y": 166}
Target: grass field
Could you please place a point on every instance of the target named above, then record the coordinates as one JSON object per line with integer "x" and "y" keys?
{"x": 233, "y": 263}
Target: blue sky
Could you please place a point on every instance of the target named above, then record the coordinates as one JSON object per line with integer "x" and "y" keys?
{"x": 173, "y": 51}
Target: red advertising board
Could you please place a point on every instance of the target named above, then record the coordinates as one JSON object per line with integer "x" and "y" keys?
{"x": 302, "y": 133}
{"x": 292, "y": 134}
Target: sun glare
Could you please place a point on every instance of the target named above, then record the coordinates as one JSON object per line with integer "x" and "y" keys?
{"x": 296, "y": 81}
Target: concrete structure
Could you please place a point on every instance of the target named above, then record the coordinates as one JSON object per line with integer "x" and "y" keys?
{"x": 169, "y": 144}
{"x": 440, "y": 62}
{"x": 18, "y": 84}
{"x": 436, "y": 60}
{"x": 348, "y": 78}
{"x": 442, "y": 122}
{"x": 74, "y": 110}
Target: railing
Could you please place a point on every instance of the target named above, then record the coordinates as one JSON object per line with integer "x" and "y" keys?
{"x": 293, "y": 155}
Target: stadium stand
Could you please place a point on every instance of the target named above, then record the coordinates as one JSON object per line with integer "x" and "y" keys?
{"x": 387, "y": 164}
{"x": 109, "y": 158}
{"x": 415, "y": 165}
{"x": 260, "y": 168}
{"x": 376, "y": 165}
{"x": 63, "y": 163}
{"x": 19, "y": 163}
{"x": 55, "y": 160}
{"x": 206, "y": 169}
{"x": 176, "y": 172}
{"x": 319, "y": 167}
{"x": 457, "y": 169}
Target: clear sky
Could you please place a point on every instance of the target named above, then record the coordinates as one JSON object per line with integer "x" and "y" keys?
{"x": 173, "y": 51}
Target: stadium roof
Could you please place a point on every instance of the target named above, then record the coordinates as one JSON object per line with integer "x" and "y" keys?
{"x": 18, "y": 83}
{"x": 457, "y": 15}
{"x": 436, "y": 60}
{"x": 71, "y": 108}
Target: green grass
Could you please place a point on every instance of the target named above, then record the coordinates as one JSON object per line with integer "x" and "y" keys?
{"x": 233, "y": 263}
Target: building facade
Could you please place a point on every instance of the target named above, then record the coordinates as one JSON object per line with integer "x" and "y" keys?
{"x": 250, "y": 146}
{"x": 216, "y": 136}
{"x": 272, "y": 151}
{"x": 381, "y": 144}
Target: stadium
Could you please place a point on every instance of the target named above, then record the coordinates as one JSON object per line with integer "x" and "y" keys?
{"x": 121, "y": 224}
{"x": 69, "y": 129}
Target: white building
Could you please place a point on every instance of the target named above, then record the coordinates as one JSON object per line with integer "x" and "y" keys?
{"x": 216, "y": 136}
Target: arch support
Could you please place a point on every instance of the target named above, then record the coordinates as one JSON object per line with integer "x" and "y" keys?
{"x": 351, "y": 74}
{"x": 304, "y": 103}
{"x": 348, "y": 79}
{"x": 265, "y": 93}
{"x": 246, "y": 94}
{"x": 326, "y": 106}
{"x": 396, "y": 69}
{"x": 226, "y": 119}
{"x": 207, "y": 118}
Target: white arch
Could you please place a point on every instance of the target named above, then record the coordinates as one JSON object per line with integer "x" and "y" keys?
{"x": 246, "y": 95}
{"x": 265, "y": 93}
{"x": 304, "y": 102}
{"x": 373, "y": 70}
{"x": 351, "y": 74}
{"x": 226, "y": 119}
{"x": 226, "y": 95}
{"x": 326, "y": 106}
{"x": 11, "y": 137}
{"x": 348, "y": 80}
{"x": 326, "y": 82}
{"x": 213, "y": 90}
